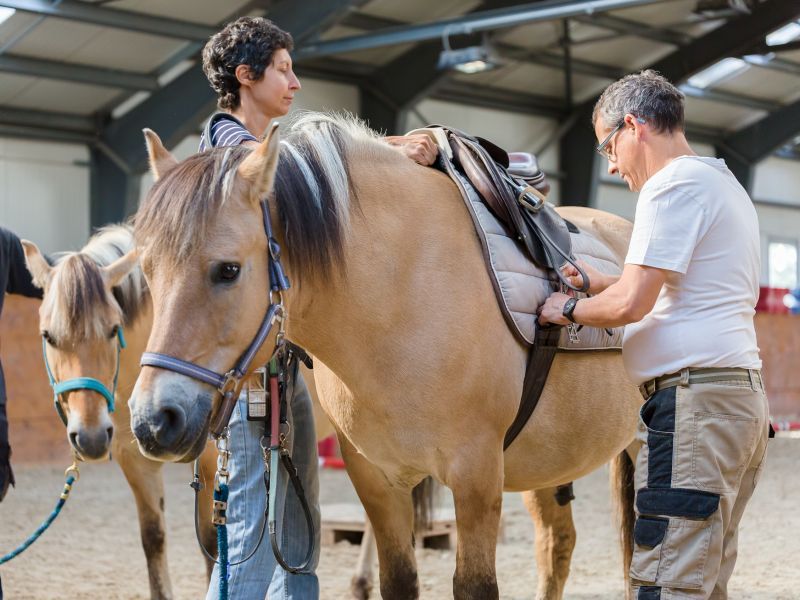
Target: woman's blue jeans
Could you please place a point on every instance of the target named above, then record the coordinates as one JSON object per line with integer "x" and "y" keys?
{"x": 261, "y": 577}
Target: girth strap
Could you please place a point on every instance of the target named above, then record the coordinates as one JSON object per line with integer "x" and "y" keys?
{"x": 540, "y": 359}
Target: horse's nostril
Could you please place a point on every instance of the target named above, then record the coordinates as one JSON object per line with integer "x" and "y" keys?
{"x": 110, "y": 433}
{"x": 73, "y": 439}
{"x": 169, "y": 425}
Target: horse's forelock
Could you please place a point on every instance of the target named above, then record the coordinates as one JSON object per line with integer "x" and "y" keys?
{"x": 174, "y": 218}
{"x": 77, "y": 301}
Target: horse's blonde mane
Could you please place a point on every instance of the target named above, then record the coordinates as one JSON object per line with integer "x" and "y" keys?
{"x": 77, "y": 299}
{"x": 313, "y": 191}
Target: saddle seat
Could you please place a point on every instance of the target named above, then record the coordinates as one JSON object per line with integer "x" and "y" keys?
{"x": 525, "y": 166}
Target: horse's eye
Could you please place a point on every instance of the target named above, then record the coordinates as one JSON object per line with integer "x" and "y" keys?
{"x": 48, "y": 338}
{"x": 114, "y": 331}
{"x": 228, "y": 272}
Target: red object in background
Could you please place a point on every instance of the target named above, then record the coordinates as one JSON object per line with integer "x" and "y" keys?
{"x": 770, "y": 300}
{"x": 329, "y": 456}
{"x": 784, "y": 425}
{"x": 328, "y": 447}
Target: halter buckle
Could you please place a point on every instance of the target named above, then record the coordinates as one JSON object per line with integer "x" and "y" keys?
{"x": 230, "y": 382}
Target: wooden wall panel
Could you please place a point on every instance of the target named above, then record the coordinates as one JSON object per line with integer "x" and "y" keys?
{"x": 35, "y": 431}
{"x": 779, "y": 341}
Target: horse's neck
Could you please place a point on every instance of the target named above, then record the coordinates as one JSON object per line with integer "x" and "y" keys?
{"x": 410, "y": 246}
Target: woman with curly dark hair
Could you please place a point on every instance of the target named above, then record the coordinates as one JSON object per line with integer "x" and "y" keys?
{"x": 249, "y": 67}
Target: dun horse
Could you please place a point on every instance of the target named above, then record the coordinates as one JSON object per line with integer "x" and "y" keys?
{"x": 81, "y": 303}
{"x": 88, "y": 296}
{"x": 418, "y": 370}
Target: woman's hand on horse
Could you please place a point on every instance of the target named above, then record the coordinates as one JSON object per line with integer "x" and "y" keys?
{"x": 418, "y": 147}
{"x": 552, "y": 311}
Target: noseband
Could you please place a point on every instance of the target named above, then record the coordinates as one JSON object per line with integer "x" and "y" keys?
{"x": 226, "y": 384}
{"x": 82, "y": 383}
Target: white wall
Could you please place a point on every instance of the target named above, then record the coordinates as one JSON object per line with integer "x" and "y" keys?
{"x": 44, "y": 192}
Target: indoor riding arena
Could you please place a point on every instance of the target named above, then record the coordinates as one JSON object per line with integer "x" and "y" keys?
{"x": 79, "y": 82}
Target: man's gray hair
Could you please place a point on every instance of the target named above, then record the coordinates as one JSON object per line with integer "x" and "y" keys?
{"x": 647, "y": 95}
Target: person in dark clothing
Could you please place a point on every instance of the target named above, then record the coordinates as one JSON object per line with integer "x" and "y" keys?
{"x": 14, "y": 279}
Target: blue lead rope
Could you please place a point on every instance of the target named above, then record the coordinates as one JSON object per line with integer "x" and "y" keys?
{"x": 43, "y": 527}
{"x": 221, "y": 495}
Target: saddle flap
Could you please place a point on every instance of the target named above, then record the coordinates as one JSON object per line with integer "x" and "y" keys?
{"x": 485, "y": 179}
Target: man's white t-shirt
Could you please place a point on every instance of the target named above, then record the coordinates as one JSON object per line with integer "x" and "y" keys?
{"x": 695, "y": 220}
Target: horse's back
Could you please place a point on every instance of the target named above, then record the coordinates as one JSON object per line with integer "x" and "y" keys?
{"x": 613, "y": 230}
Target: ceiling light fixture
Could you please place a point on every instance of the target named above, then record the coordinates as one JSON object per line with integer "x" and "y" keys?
{"x": 472, "y": 59}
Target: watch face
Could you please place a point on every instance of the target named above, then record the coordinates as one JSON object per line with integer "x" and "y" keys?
{"x": 569, "y": 306}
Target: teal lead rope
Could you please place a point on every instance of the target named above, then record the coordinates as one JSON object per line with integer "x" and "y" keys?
{"x": 72, "y": 474}
{"x": 221, "y": 495}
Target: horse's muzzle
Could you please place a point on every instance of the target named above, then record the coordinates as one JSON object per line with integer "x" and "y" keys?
{"x": 91, "y": 444}
{"x": 171, "y": 429}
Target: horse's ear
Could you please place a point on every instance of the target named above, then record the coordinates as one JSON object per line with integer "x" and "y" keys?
{"x": 116, "y": 271}
{"x": 161, "y": 160}
{"x": 37, "y": 265}
{"x": 258, "y": 169}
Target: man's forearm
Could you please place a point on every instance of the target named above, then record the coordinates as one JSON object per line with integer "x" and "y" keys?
{"x": 600, "y": 282}
{"x": 614, "y": 307}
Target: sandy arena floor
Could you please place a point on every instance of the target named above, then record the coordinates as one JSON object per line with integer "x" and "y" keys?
{"x": 93, "y": 549}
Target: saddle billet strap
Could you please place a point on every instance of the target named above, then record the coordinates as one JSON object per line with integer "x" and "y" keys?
{"x": 540, "y": 359}
{"x": 555, "y": 255}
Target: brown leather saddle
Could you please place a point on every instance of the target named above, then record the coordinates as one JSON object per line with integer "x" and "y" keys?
{"x": 515, "y": 196}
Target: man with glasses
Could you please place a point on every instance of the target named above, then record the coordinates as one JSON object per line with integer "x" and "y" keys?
{"x": 687, "y": 295}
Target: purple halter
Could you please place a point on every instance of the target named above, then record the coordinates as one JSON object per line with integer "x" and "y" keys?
{"x": 226, "y": 384}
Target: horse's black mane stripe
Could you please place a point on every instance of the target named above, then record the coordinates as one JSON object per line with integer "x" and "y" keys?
{"x": 309, "y": 211}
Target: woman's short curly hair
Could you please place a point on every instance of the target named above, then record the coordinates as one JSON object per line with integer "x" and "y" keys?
{"x": 247, "y": 41}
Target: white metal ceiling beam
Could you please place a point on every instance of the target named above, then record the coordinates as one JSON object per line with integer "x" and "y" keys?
{"x": 547, "y": 10}
{"x": 34, "y": 67}
{"x": 114, "y": 17}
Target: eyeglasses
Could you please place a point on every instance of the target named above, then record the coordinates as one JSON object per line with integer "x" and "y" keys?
{"x": 602, "y": 149}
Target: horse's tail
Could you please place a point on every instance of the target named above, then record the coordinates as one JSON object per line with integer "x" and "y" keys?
{"x": 424, "y": 495}
{"x": 622, "y": 490}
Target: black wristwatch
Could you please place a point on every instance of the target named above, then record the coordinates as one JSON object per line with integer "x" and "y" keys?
{"x": 569, "y": 308}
